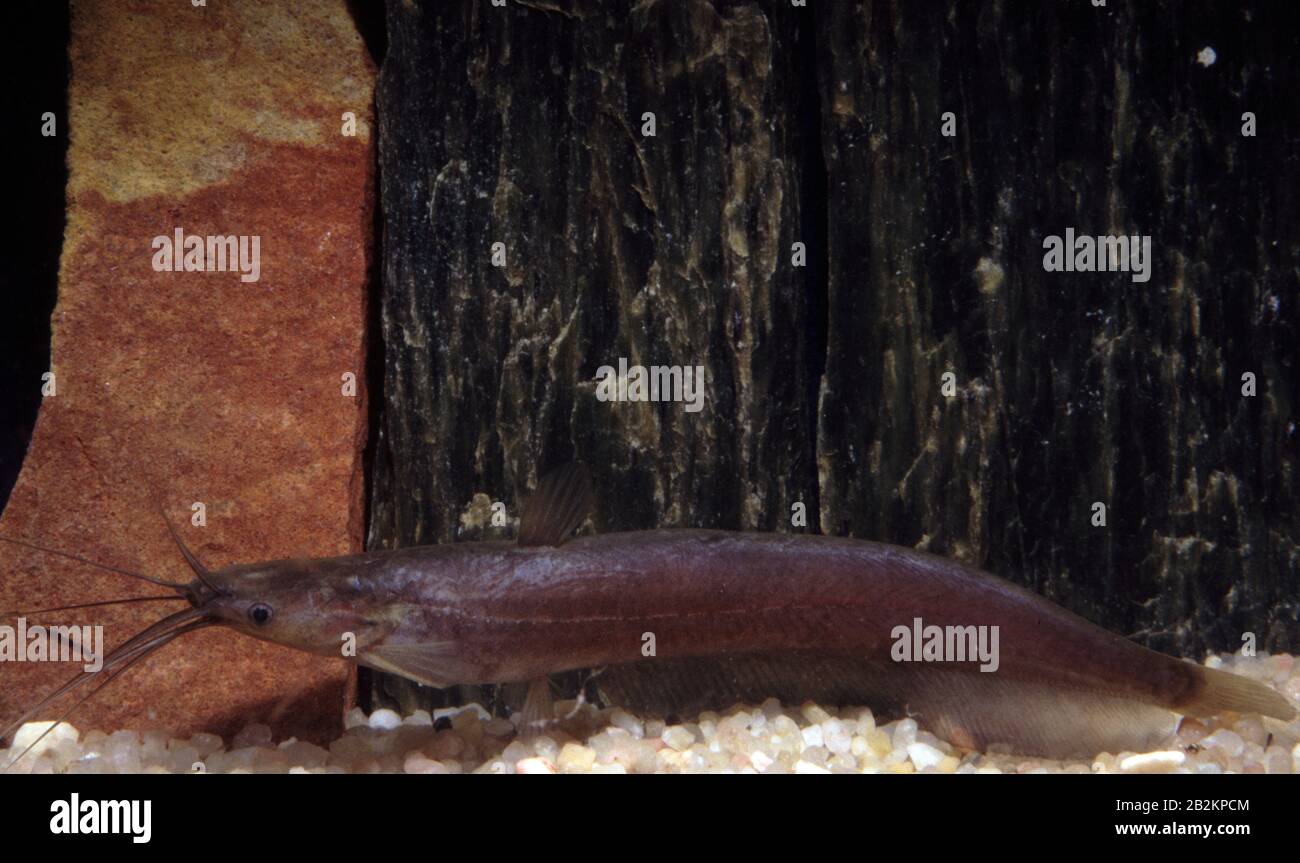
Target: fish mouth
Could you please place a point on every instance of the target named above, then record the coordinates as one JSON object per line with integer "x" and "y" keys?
{"x": 199, "y": 594}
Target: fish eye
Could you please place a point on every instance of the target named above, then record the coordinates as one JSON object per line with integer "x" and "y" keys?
{"x": 260, "y": 613}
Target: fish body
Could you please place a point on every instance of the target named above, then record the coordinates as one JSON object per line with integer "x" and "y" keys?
{"x": 677, "y": 621}
{"x": 501, "y": 612}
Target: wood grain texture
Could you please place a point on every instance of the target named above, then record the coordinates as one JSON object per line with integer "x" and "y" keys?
{"x": 777, "y": 124}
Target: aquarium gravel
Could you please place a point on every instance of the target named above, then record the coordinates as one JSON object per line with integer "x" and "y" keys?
{"x": 768, "y": 738}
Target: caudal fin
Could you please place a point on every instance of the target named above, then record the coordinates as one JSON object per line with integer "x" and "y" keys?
{"x": 1218, "y": 691}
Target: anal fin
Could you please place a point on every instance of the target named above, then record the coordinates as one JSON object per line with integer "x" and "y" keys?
{"x": 970, "y": 709}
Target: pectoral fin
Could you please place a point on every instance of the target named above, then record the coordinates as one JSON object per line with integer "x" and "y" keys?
{"x": 434, "y": 663}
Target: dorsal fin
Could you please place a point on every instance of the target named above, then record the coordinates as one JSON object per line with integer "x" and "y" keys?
{"x": 560, "y": 504}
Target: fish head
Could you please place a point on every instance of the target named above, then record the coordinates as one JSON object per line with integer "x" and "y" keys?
{"x": 312, "y": 605}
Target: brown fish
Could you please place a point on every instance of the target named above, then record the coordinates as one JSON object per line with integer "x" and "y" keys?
{"x": 677, "y": 621}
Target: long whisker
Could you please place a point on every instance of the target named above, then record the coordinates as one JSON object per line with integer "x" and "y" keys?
{"x": 149, "y": 578}
{"x": 125, "y": 661}
{"x": 121, "y": 601}
{"x": 200, "y": 571}
{"x": 124, "y": 649}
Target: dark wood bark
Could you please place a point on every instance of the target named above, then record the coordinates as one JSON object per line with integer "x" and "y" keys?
{"x": 778, "y": 124}
{"x": 1074, "y": 387}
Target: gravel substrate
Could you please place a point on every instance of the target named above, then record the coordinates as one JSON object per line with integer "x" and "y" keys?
{"x": 763, "y": 739}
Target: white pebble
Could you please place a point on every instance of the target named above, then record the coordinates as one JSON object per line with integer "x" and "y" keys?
{"x": 678, "y": 738}
{"x": 384, "y": 719}
{"x": 574, "y": 757}
{"x": 812, "y": 736}
{"x": 205, "y": 744}
{"x": 622, "y": 719}
{"x": 924, "y": 755}
{"x": 1153, "y": 762}
{"x": 534, "y": 766}
{"x": 28, "y": 733}
{"x": 904, "y": 733}
{"x": 836, "y": 737}
{"x": 418, "y": 762}
{"x": 1229, "y": 742}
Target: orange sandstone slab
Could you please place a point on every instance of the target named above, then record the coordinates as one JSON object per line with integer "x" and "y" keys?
{"x": 201, "y": 387}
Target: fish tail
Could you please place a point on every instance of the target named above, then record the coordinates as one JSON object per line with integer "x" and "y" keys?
{"x": 1214, "y": 691}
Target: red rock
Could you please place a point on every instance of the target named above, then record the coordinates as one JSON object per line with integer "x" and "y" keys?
{"x": 221, "y": 120}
